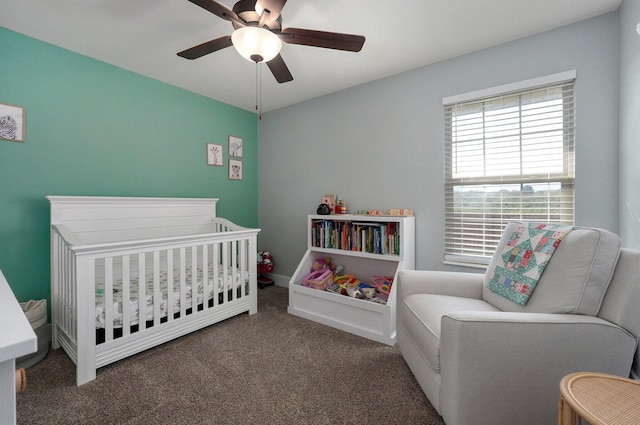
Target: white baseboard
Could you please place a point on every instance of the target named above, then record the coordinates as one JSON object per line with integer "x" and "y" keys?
{"x": 280, "y": 280}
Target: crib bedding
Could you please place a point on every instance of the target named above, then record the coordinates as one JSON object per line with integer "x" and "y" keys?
{"x": 233, "y": 280}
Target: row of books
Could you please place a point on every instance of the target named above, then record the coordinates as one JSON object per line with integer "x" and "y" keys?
{"x": 372, "y": 237}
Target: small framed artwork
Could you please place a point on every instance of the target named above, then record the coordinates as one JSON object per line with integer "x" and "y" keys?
{"x": 12, "y": 123}
{"x": 235, "y": 146}
{"x": 331, "y": 201}
{"x": 235, "y": 169}
{"x": 214, "y": 154}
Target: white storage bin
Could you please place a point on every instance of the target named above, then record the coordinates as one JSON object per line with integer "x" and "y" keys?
{"x": 36, "y": 312}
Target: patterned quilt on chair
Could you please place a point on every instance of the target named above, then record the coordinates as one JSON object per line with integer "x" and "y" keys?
{"x": 524, "y": 258}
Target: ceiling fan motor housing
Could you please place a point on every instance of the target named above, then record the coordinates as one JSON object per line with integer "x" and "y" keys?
{"x": 246, "y": 10}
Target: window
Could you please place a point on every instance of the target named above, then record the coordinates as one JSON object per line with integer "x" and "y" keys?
{"x": 509, "y": 156}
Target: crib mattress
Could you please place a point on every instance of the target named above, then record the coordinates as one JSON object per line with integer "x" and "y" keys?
{"x": 215, "y": 286}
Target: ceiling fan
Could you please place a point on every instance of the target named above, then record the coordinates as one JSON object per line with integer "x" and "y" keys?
{"x": 258, "y": 35}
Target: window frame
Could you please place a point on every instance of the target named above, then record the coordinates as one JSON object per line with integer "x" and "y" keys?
{"x": 566, "y": 178}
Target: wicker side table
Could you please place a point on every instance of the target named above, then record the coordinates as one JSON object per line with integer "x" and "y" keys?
{"x": 598, "y": 398}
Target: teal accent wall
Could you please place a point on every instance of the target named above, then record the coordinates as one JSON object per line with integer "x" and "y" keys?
{"x": 96, "y": 129}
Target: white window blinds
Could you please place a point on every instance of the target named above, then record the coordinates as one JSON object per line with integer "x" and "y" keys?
{"x": 509, "y": 156}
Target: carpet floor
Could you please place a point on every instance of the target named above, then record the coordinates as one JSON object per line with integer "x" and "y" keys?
{"x": 268, "y": 368}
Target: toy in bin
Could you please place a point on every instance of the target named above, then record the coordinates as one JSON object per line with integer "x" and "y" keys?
{"x": 265, "y": 265}
{"x": 321, "y": 274}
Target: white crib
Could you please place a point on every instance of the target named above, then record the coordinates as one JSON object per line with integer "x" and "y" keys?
{"x": 128, "y": 274}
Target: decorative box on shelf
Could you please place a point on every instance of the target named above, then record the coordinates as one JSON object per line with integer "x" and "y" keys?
{"x": 365, "y": 246}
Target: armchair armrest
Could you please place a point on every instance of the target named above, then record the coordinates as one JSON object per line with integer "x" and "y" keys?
{"x": 521, "y": 356}
{"x": 458, "y": 284}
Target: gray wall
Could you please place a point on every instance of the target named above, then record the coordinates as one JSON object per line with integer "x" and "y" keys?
{"x": 380, "y": 145}
{"x": 630, "y": 124}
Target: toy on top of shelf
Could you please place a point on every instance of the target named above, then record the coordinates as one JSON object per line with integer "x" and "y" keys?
{"x": 370, "y": 212}
{"x": 323, "y": 209}
{"x": 330, "y": 201}
{"x": 341, "y": 207}
{"x": 402, "y": 212}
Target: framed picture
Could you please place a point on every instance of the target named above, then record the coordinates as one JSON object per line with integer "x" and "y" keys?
{"x": 214, "y": 154}
{"x": 12, "y": 123}
{"x": 235, "y": 169}
{"x": 235, "y": 146}
{"x": 331, "y": 201}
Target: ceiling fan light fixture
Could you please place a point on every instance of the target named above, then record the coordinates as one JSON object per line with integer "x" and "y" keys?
{"x": 256, "y": 44}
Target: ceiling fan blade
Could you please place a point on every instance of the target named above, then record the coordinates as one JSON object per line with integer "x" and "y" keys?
{"x": 328, "y": 40}
{"x": 217, "y": 9}
{"x": 206, "y": 48}
{"x": 279, "y": 69}
{"x": 273, "y": 6}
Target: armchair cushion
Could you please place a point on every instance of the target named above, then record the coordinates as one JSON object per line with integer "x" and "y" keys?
{"x": 422, "y": 314}
{"x": 583, "y": 263}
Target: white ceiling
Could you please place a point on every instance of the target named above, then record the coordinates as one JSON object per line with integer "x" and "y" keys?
{"x": 144, "y": 36}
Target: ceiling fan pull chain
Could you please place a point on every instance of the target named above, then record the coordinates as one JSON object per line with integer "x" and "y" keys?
{"x": 260, "y": 115}
{"x": 258, "y": 90}
{"x": 257, "y": 97}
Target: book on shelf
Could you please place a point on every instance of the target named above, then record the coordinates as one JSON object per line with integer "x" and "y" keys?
{"x": 373, "y": 237}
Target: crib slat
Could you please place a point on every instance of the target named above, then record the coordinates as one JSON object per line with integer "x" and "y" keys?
{"x": 225, "y": 271}
{"x": 126, "y": 296}
{"x": 108, "y": 299}
{"x": 234, "y": 268}
{"x": 170, "y": 297}
{"x": 183, "y": 290}
{"x": 243, "y": 267}
{"x": 61, "y": 291}
{"x": 142, "y": 297}
{"x": 194, "y": 279}
{"x": 206, "y": 286}
{"x": 157, "y": 297}
{"x": 57, "y": 288}
{"x": 215, "y": 260}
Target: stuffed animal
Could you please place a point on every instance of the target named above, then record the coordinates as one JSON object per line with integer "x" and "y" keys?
{"x": 265, "y": 257}
{"x": 326, "y": 263}
{"x": 319, "y": 264}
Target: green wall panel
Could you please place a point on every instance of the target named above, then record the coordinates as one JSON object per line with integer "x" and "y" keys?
{"x": 95, "y": 129}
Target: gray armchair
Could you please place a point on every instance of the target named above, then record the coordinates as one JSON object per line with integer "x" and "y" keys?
{"x": 481, "y": 358}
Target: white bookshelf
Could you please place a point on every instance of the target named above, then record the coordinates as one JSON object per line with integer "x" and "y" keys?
{"x": 360, "y": 317}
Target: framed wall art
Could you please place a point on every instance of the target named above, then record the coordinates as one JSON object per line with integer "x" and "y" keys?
{"x": 235, "y": 169}
{"x": 331, "y": 201}
{"x": 12, "y": 122}
{"x": 214, "y": 154}
{"x": 235, "y": 146}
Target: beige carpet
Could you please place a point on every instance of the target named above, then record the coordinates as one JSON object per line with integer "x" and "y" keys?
{"x": 269, "y": 368}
